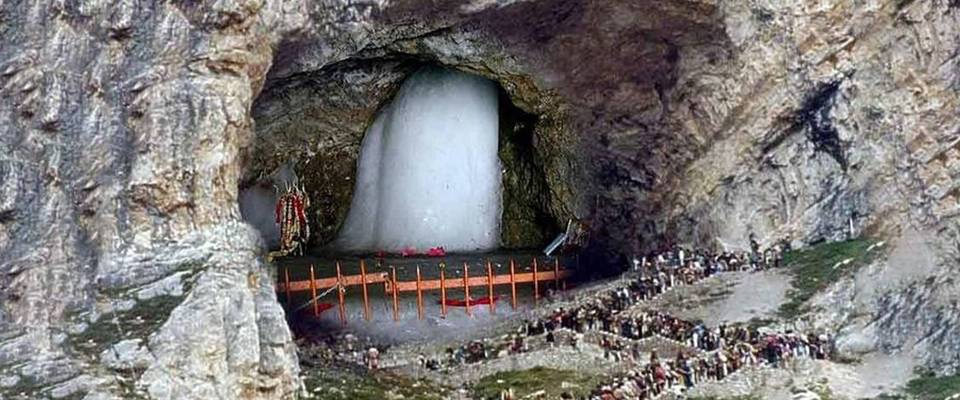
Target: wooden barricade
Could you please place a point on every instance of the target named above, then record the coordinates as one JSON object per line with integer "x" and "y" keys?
{"x": 443, "y": 292}
{"x": 313, "y": 292}
{"x": 490, "y": 301}
{"x": 536, "y": 284}
{"x": 366, "y": 299}
{"x": 466, "y": 288}
{"x": 522, "y": 277}
{"x": 419, "y": 297}
{"x": 341, "y": 290}
{"x": 326, "y": 283}
{"x": 286, "y": 280}
{"x": 513, "y": 285}
{"x": 396, "y": 301}
{"x": 393, "y": 287}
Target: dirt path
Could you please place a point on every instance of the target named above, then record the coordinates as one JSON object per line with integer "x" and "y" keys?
{"x": 816, "y": 379}
{"x": 727, "y": 298}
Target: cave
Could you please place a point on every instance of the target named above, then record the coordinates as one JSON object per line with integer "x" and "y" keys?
{"x": 398, "y": 154}
{"x": 311, "y": 132}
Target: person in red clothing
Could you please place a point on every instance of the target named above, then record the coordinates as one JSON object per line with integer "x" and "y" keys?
{"x": 607, "y": 394}
{"x": 660, "y": 377}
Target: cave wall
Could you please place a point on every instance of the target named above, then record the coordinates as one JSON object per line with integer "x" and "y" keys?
{"x": 314, "y": 122}
{"x": 126, "y": 126}
{"x": 125, "y": 269}
{"x": 526, "y": 221}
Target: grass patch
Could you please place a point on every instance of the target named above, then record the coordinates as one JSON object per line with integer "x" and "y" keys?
{"x": 823, "y": 391}
{"x": 26, "y": 388}
{"x": 138, "y": 322}
{"x": 929, "y": 386}
{"x": 815, "y": 268}
{"x": 925, "y": 386}
{"x": 740, "y": 397}
{"x": 887, "y": 396}
{"x": 525, "y": 382}
{"x": 757, "y": 322}
{"x": 846, "y": 359}
{"x": 336, "y": 382}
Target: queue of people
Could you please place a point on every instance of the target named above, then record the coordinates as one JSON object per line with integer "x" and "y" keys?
{"x": 651, "y": 276}
{"x": 685, "y": 371}
{"x": 611, "y": 320}
{"x": 713, "y": 354}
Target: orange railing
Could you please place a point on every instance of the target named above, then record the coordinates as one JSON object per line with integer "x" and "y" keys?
{"x": 393, "y": 287}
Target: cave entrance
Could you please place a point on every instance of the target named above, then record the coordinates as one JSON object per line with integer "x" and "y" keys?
{"x": 317, "y": 130}
{"x": 311, "y": 129}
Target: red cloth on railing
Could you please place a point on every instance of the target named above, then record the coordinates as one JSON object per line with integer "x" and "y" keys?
{"x": 473, "y": 302}
{"x": 408, "y": 252}
{"x": 436, "y": 252}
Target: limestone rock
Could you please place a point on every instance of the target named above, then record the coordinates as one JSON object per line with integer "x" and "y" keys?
{"x": 126, "y": 355}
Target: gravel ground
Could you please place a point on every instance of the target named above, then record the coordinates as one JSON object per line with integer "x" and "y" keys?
{"x": 816, "y": 379}
{"x": 727, "y": 298}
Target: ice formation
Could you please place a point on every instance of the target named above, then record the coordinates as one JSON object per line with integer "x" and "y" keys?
{"x": 428, "y": 172}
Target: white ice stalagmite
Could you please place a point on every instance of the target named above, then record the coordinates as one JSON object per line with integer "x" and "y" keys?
{"x": 429, "y": 173}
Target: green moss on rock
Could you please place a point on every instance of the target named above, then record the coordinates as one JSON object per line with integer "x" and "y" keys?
{"x": 342, "y": 382}
{"x": 144, "y": 318}
{"x": 816, "y": 267}
{"x": 929, "y": 386}
{"x": 529, "y": 381}
{"x": 27, "y": 387}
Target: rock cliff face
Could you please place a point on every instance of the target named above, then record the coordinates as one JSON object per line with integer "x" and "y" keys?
{"x": 129, "y": 128}
{"x": 829, "y": 127}
{"x": 126, "y": 269}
